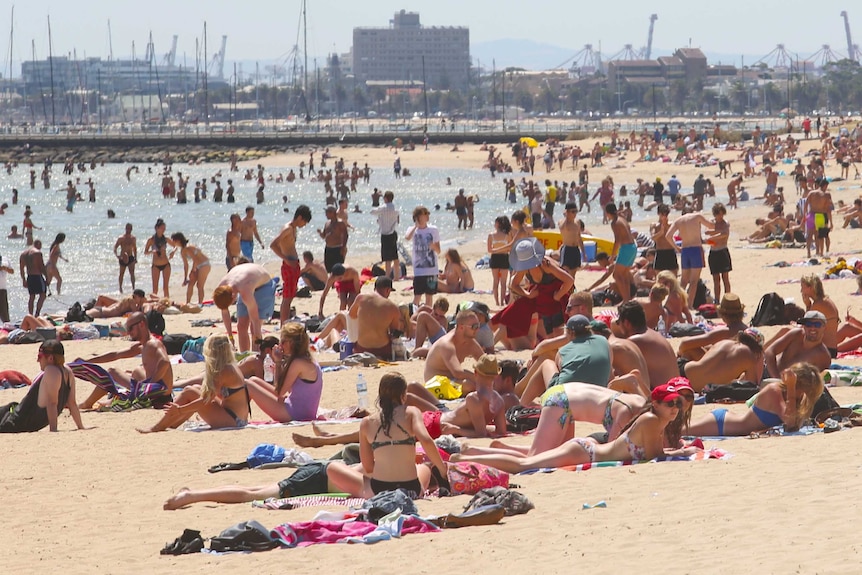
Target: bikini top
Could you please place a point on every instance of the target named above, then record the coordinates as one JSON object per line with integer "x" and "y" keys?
{"x": 159, "y": 242}
{"x": 409, "y": 440}
{"x": 637, "y": 452}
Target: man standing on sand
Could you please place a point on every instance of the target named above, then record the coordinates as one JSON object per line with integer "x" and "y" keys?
{"x": 378, "y": 320}
{"x": 248, "y": 233}
{"x": 284, "y": 246}
{"x": 691, "y": 252}
{"x": 820, "y": 206}
{"x": 231, "y": 242}
{"x": 335, "y": 235}
{"x": 253, "y": 290}
{"x": 126, "y": 250}
{"x": 625, "y": 250}
{"x": 32, "y": 264}
{"x": 426, "y": 246}
{"x": 387, "y": 222}
{"x": 720, "y": 264}
{"x": 572, "y": 249}
{"x": 155, "y": 363}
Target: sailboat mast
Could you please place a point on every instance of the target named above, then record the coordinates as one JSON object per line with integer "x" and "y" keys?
{"x": 51, "y": 68}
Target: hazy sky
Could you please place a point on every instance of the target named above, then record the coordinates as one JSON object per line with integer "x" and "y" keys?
{"x": 267, "y": 29}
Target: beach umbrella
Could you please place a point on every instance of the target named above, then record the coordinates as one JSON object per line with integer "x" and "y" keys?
{"x": 529, "y": 142}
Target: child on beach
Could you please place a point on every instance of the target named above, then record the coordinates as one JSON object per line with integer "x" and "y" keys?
{"x": 426, "y": 246}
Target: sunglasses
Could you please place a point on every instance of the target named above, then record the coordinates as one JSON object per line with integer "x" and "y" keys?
{"x": 815, "y": 324}
{"x": 673, "y": 403}
{"x": 474, "y": 326}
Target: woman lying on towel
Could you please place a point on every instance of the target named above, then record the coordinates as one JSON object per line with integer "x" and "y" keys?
{"x": 222, "y": 398}
{"x": 788, "y": 402}
{"x": 298, "y": 379}
{"x": 641, "y": 440}
{"x": 387, "y": 447}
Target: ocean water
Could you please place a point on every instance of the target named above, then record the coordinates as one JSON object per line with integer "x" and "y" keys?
{"x": 90, "y": 235}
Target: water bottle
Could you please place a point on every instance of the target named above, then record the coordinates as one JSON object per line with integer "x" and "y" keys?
{"x": 361, "y": 392}
{"x": 661, "y": 328}
{"x": 268, "y": 369}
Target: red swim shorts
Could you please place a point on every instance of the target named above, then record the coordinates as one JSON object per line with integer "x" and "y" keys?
{"x": 289, "y": 276}
{"x": 431, "y": 419}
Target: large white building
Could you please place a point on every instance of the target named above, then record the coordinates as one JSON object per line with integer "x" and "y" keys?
{"x": 395, "y": 53}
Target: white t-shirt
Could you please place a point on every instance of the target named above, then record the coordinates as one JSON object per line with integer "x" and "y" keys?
{"x": 425, "y": 258}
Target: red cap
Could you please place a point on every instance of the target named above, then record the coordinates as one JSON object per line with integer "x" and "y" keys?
{"x": 678, "y": 384}
{"x": 664, "y": 393}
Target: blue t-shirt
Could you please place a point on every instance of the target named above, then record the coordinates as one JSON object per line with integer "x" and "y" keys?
{"x": 673, "y": 187}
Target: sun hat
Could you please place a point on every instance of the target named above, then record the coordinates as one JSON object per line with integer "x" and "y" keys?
{"x": 730, "y": 304}
{"x": 487, "y": 365}
{"x": 526, "y": 254}
{"x": 664, "y": 393}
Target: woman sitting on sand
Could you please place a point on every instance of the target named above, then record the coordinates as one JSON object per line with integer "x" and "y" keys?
{"x": 456, "y": 276}
{"x": 298, "y": 379}
{"x": 789, "y": 402}
{"x": 641, "y": 440}
{"x": 200, "y": 265}
{"x": 677, "y": 300}
{"x": 221, "y": 400}
{"x": 250, "y": 366}
{"x": 387, "y": 447}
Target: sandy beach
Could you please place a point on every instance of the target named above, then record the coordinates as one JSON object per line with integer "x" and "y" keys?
{"x": 91, "y": 501}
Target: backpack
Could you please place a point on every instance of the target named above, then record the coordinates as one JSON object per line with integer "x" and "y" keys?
{"x": 701, "y": 295}
{"x": 824, "y": 403}
{"x": 513, "y": 502}
{"x": 76, "y": 313}
{"x": 245, "y": 536}
{"x": 735, "y": 391}
{"x": 520, "y": 419}
{"x": 155, "y": 322}
{"x": 174, "y": 342}
{"x": 193, "y": 344}
{"x": 466, "y": 478}
{"x": 770, "y": 311}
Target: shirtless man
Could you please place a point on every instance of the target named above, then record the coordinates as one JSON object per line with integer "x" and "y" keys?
{"x": 816, "y": 299}
{"x": 658, "y": 353}
{"x": 347, "y": 284}
{"x": 819, "y": 203}
{"x": 313, "y": 273}
{"x": 334, "y": 234}
{"x": 120, "y": 308}
{"x": 727, "y": 360}
{"x": 804, "y": 343}
{"x": 461, "y": 208}
{"x": 231, "y": 242}
{"x": 284, "y": 246}
{"x": 448, "y": 352}
{"x": 720, "y": 264}
{"x": 378, "y": 320}
{"x": 665, "y": 250}
{"x": 126, "y": 250}
{"x": 32, "y": 264}
{"x": 730, "y": 311}
{"x": 253, "y": 290}
{"x": 654, "y": 306}
{"x": 691, "y": 252}
{"x": 573, "y": 245}
{"x": 155, "y": 362}
{"x": 248, "y": 233}
{"x": 625, "y": 250}
{"x": 732, "y": 188}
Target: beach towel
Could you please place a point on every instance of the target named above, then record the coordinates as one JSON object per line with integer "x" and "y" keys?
{"x": 713, "y": 453}
{"x": 307, "y": 533}
{"x": 339, "y": 499}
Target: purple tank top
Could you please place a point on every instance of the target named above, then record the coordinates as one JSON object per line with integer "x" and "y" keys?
{"x": 304, "y": 398}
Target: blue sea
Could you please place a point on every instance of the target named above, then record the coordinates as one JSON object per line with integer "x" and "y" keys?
{"x": 90, "y": 234}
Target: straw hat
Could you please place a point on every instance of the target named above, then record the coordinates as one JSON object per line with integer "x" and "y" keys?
{"x": 730, "y": 304}
{"x": 487, "y": 365}
{"x": 526, "y": 254}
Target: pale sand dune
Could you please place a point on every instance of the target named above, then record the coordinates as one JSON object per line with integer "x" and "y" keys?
{"x": 90, "y": 502}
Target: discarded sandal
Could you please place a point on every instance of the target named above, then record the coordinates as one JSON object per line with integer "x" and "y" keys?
{"x": 228, "y": 467}
{"x": 484, "y": 515}
{"x": 189, "y": 542}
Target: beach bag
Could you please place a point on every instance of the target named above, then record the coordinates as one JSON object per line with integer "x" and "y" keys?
{"x": 265, "y": 453}
{"x": 734, "y": 392}
{"x": 521, "y": 419}
{"x": 192, "y": 344}
{"x": 513, "y": 502}
{"x": 701, "y": 295}
{"x": 824, "y": 403}
{"x": 466, "y": 478}
{"x": 155, "y": 322}
{"x": 770, "y": 311}
{"x": 683, "y": 329}
{"x": 443, "y": 388}
{"x": 245, "y": 536}
{"x": 708, "y": 311}
{"x": 76, "y": 313}
{"x": 174, "y": 342}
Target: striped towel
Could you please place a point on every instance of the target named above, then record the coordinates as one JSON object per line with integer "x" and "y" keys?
{"x": 340, "y": 499}
{"x": 713, "y": 453}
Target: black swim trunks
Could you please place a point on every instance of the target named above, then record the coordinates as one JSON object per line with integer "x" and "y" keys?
{"x": 719, "y": 261}
{"x": 570, "y": 257}
{"x": 36, "y": 284}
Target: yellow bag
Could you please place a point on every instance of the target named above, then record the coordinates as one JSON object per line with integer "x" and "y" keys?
{"x": 443, "y": 388}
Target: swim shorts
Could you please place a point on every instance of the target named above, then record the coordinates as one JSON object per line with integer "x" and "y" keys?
{"x": 692, "y": 257}
{"x": 627, "y": 254}
{"x": 310, "y": 479}
{"x": 247, "y": 249}
{"x": 570, "y": 257}
{"x": 424, "y": 285}
{"x": 389, "y": 247}
{"x": 289, "y": 275}
{"x": 666, "y": 260}
{"x": 36, "y": 284}
{"x": 719, "y": 261}
{"x": 264, "y": 296}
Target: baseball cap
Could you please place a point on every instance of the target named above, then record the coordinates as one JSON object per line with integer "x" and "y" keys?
{"x": 678, "y": 384}
{"x": 578, "y": 322}
{"x": 812, "y": 315}
{"x": 383, "y": 282}
{"x": 664, "y": 393}
{"x": 338, "y": 270}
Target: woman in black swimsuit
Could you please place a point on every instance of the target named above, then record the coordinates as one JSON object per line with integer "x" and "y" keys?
{"x": 221, "y": 400}
{"x": 157, "y": 246}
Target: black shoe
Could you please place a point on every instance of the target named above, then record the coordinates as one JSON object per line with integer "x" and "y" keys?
{"x": 189, "y": 542}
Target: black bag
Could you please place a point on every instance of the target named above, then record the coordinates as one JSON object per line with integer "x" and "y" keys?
{"x": 736, "y": 391}
{"x": 701, "y": 295}
{"x": 76, "y": 313}
{"x": 824, "y": 403}
{"x": 770, "y": 311}
{"x": 521, "y": 419}
{"x": 245, "y": 536}
{"x": 174, "y": 342}
{"x": 156, "y": 322}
